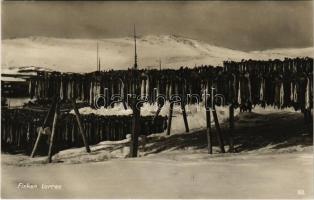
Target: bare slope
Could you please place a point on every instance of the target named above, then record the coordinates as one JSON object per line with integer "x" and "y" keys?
{"x": 79, "y": 55}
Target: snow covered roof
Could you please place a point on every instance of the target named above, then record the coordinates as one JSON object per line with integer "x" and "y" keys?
{"x": 12, "y": 79}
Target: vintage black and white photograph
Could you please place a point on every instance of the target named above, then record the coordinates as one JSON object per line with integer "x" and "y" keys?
{"x": 157, "y": 99}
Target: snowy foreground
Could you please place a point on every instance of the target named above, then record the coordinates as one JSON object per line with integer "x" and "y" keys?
{"x": 274, "y": 159}
{"x": 192, "y": 176}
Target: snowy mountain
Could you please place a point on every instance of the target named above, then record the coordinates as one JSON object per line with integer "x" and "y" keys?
{"x": 79, "y": 55}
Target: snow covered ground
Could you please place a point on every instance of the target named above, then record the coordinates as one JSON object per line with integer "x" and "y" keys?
{"x": 243, "y": 176}
{"x": 79, "y": 55}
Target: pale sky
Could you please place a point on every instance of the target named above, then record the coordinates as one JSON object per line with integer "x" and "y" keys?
{"x": 244, "y": 25}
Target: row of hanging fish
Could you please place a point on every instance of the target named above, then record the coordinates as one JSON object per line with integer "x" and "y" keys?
{"x": 287, "y": 83}
{"x": 19, "y": 129}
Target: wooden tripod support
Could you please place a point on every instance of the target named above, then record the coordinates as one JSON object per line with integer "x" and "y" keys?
{"x": 219, "y": 132}
{"x": 55, "y": 108}
{"x": 50, "y": 111}
{"x": 183, "y": 115}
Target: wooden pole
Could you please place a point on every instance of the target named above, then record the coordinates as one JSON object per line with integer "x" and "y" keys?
{"x": 219, "y": 133}
{"x": 209, "y": 132}
{"x": 308, "y": 120}
{"x": 231, "y": 128}
{"x": 170, "y": 118}
{"x": 135, "y": 129}
{"x": 51, "y": 109}
{"x": 185, "y": 118}
{"x": 81, "y": 129}
{"x": 305, "y": 116}
{"x": 136, "y": 113}
{"x": 53, "y": 132}
{"x": 157, "y": 113}
{"x": 124, "y": 105}
{"x": 310, "y": 116}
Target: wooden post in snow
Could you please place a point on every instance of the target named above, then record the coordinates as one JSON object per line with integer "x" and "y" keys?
{"x": 231, "y": 128}
{"x": 135, "y": 118}
{"x": 135, "y": 129}
{"x": 307, "y": 116}
{"x": 219, "y": 133}
{"x": 185, "y": 117}
{"x": 209, "y": 132}
{"x": 81, "y": 129}
{"x": 170, "y": 118}
{"x": 157, "y": 113}
{"x": 53, "y": 132}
